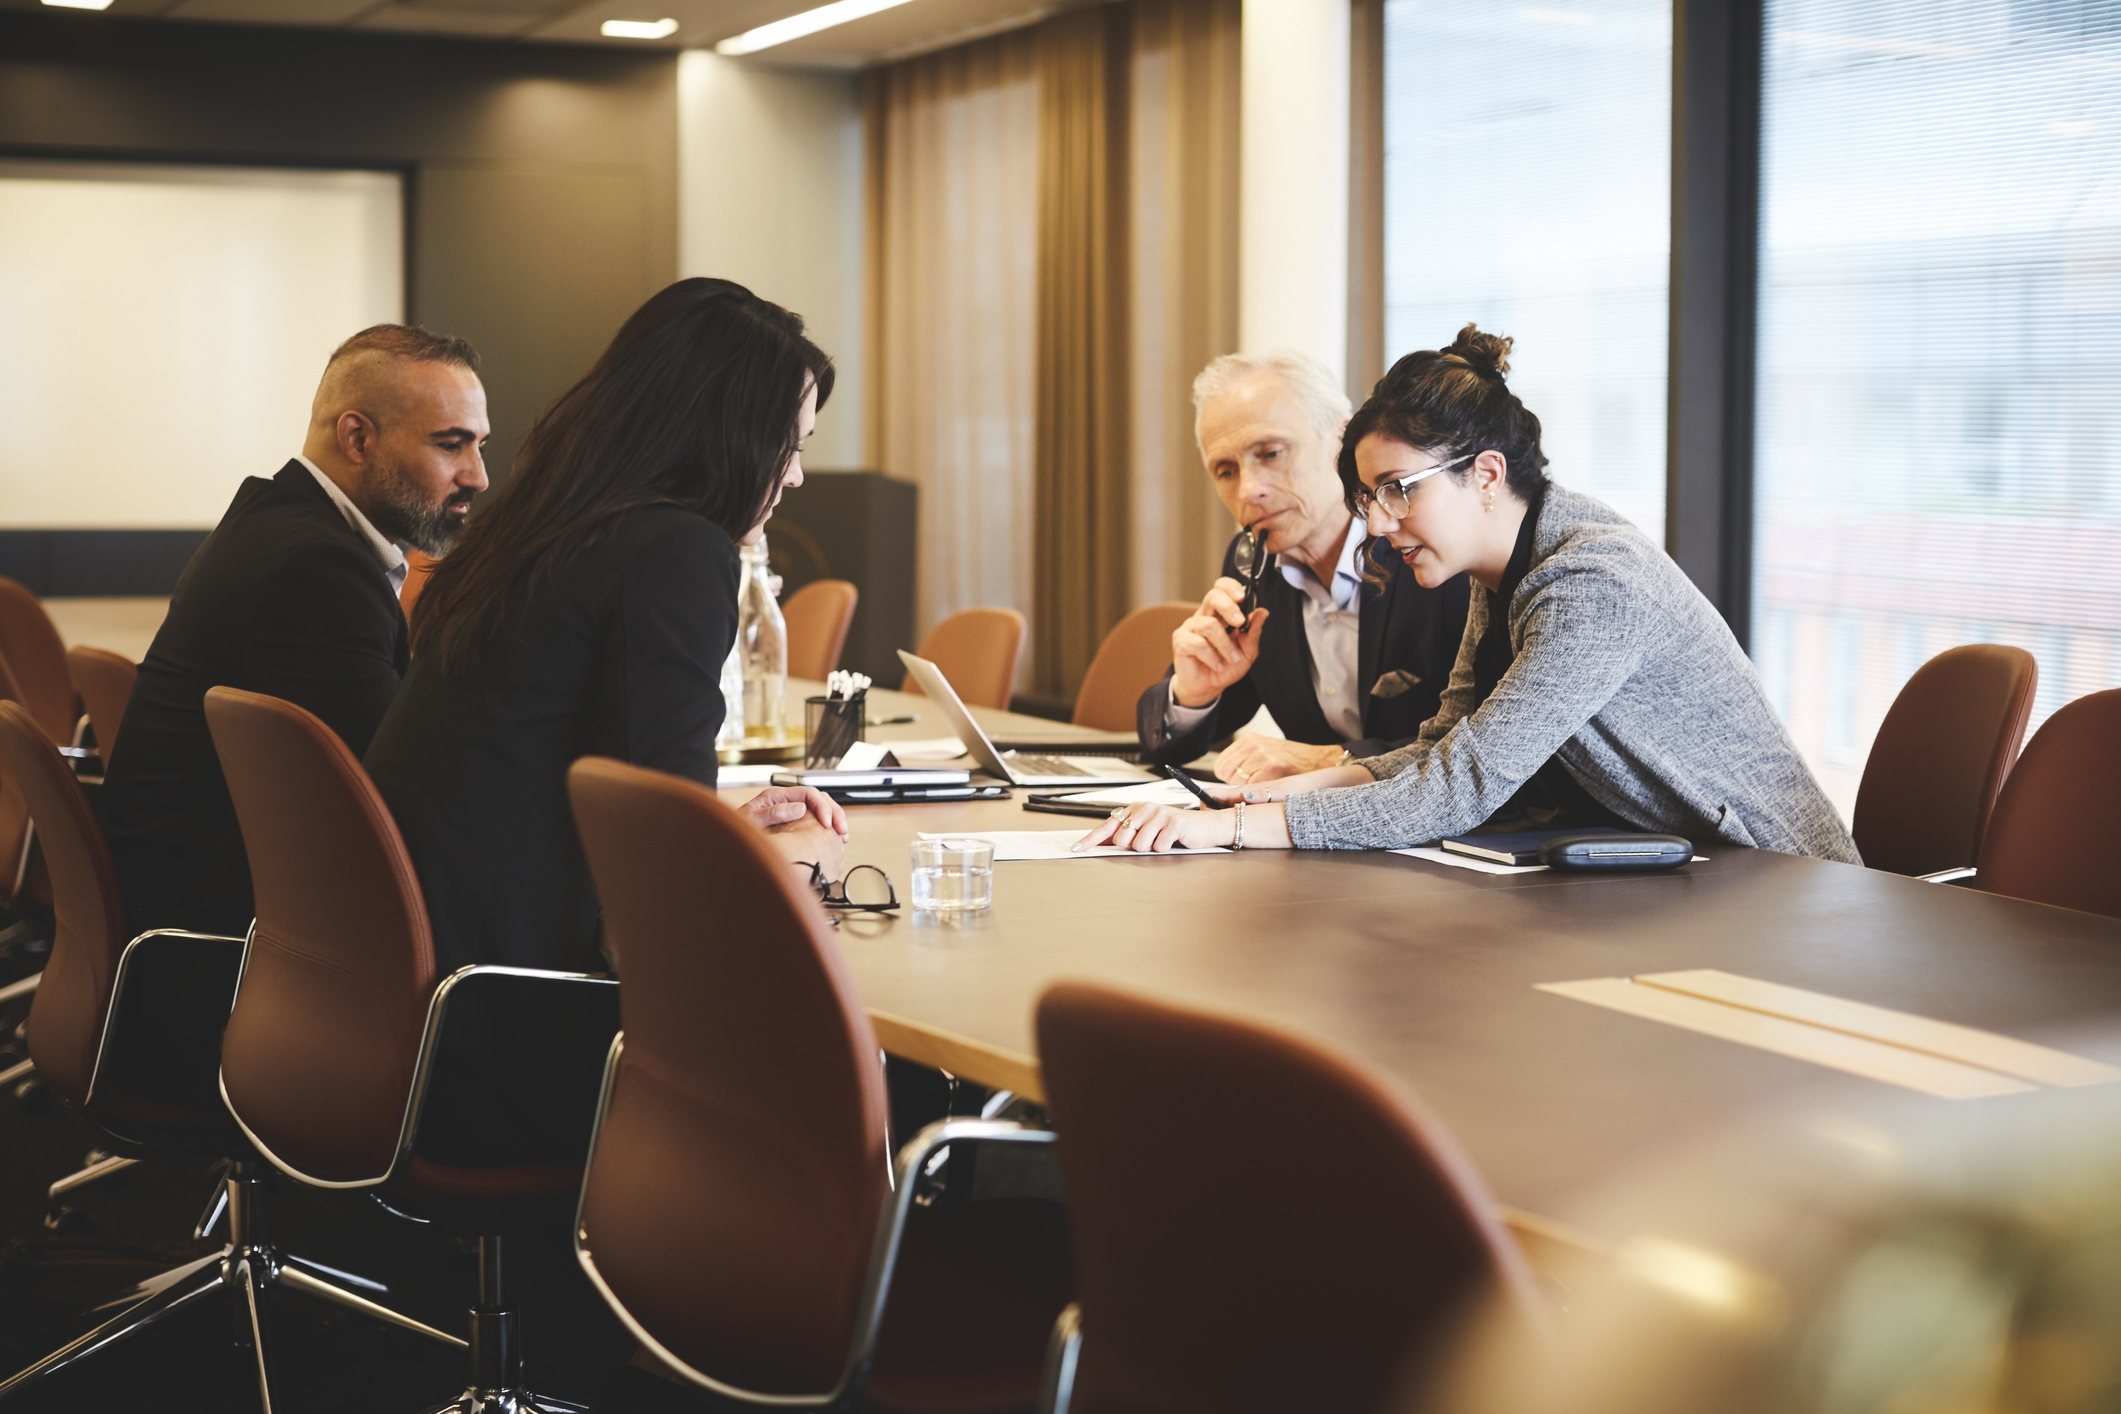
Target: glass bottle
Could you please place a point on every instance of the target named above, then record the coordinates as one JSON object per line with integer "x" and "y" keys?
{"x": 762, "y": 639}
{"x": 732, "y": 732}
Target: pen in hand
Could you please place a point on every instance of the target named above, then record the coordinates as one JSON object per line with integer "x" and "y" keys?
{"x": 1178, "y": 773}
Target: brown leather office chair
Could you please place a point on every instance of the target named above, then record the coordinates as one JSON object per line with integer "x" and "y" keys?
{"x": 106, "y": 682}
{"x": 818, "y": 617}
{"x": 1259, "y": 1225}
{"x": 976, "y": 649}
{"x": 418, "y": 565}
{"x": 2052, "y": 836}
{"x": 36, "y": 656}
{"x": 736, "y": 1214}
{"x": 341, "y": 1030}
{"x": 128, "y": 1033}
{"x": 1940, "y": 758}
{"x": 1133, "y": 656}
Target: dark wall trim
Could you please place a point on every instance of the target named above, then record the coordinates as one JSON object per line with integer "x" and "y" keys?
{"x": 1716, "y": 76}
{"x": 92, "y": 563}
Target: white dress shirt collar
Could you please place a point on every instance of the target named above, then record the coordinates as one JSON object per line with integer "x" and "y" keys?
{"x": 387, "y": 554}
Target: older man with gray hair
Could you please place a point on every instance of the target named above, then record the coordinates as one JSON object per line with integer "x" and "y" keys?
{"x": 1346, "y": 670}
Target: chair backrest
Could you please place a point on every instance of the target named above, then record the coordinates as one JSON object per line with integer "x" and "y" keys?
{"x": 73, "y": 1001}
{"x": 418, "y": 565}
{"x": 739, "y": 1171}
{"x": 2053, "y": 834}
{"x": 14, "y": 811}
{"x": 1133, "y": 656}
{"x": 106, "y": 682}
{"x": 818, "y": 616}
{"x": 1257, "y": 1223}
{"x": 318, "y": 1057}
{"x": 36, "y": 655}
{"x": 1940, "y": 758}
{"x": 976, "y": 649}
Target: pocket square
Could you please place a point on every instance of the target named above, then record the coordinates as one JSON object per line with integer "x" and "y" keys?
{"x": 1394, "y": 683}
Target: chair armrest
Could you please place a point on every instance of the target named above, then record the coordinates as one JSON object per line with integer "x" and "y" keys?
{"x": 1948, "y": 876}
{"x": 575, "y": 1014}
{"x": 891, "y": 1228}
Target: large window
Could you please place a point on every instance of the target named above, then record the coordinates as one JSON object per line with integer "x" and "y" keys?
{"x": 1939, "y": 419}
{"x": 1528, "y": 188}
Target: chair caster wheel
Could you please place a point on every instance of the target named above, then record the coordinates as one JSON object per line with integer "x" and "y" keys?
{"x": 69, "y": 1222}
{"x": 36, "y": 1098}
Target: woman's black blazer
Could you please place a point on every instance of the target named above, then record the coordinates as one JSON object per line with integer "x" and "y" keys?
{"x": 620, "y": 655}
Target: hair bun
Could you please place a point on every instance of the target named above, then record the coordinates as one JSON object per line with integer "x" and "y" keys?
{"x": 1487, "y": 354}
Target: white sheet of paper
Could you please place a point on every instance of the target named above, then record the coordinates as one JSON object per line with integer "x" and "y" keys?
{"x": 863, "y": 756}
{"x": 1045, "y": 844}
{"x": 744, "y": 777}
{"x": 934, "y": 748}
{"x": 1436, "y": 855}
{"x": 1152, "y": 792}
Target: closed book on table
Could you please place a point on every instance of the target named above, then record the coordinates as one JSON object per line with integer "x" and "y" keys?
{"x": 1521, "y": 848}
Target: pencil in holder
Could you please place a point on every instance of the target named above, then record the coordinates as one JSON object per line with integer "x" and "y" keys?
{"x": 830, "y": 726}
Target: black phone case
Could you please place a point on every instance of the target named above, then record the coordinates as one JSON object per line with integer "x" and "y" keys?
{"x": 1608, "y": 853}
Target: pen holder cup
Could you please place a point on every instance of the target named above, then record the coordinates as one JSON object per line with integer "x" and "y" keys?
{"x": 830, "y": 726}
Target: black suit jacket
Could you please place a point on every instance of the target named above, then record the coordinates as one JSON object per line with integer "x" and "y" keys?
{"x": 1408, "y": 632}
{"x": 620, "y": 654}
{"x": 284, "y": 598}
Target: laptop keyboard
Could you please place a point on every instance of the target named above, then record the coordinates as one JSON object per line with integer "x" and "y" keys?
{"x": 1044, "y": 766}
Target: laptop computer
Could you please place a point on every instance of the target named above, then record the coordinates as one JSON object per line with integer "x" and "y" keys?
{"x": 1016, "y": 767}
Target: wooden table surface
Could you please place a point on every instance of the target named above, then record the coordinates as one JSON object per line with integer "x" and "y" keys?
{"x": 1428, "y": 972}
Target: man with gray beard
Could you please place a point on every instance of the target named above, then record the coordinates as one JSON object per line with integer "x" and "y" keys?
{"x": 295, "y": 595}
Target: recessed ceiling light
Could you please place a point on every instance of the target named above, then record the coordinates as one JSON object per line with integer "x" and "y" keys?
{"x": 80, "y": 4}
{"x": 796, "y": 26}
{"x": 618, "y": 29}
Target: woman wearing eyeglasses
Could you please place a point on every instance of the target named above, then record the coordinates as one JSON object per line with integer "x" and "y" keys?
{"x": 1594, "y": 685}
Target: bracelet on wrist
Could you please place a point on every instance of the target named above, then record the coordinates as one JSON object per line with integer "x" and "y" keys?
{"x": 1238, "y": 840}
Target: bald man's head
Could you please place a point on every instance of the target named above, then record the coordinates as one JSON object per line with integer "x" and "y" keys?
{"x": 398, "y": 423}
{"x": 366, "y": 374}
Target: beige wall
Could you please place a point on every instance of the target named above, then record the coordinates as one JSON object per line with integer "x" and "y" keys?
{"x": 770, "y": 195}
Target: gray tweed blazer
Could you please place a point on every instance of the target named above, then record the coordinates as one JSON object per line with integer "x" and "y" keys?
{"x": 1630, "y": 676}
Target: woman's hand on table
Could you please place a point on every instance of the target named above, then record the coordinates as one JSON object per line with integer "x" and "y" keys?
{"x": 782, "y": 806}
{"x": 1159, "y": 829}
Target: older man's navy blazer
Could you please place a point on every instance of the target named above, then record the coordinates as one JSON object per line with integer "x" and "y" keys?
{"x": 1409, "y": 638}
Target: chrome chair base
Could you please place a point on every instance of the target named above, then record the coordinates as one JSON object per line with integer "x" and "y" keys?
{"x": 497, "y": 1353}
{"x": 494, "y": 1401}
{"x": 245, "y": 1269}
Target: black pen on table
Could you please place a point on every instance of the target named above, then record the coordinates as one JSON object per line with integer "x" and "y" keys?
{"x": 1178, "y": 773}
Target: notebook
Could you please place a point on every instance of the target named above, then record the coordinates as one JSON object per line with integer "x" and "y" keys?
{"x": 1517, "y": 849}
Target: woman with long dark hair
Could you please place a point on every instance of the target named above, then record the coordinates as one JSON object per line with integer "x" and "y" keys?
{"x": 1594, "y": 686}
{"x": 588, "y": 611}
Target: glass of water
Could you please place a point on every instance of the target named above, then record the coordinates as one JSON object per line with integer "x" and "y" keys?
{"x": 952, "y": 876}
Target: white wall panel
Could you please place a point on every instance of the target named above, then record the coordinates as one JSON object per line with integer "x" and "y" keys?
{"x": 162, "y": 329}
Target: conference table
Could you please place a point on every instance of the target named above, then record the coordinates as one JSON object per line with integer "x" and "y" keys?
{"x": 1430, "y": 973}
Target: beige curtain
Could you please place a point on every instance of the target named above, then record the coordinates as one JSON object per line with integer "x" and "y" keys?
{"x": 1184, "y": 236}
{"x": 1081, "y": 468}
{"x": 1366, "y": 198}
{"x": 1052, "y": 258}
{"x": 953, "y": 208}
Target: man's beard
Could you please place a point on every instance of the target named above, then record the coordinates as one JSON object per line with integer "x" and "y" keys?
{"x": 402, "y": 512}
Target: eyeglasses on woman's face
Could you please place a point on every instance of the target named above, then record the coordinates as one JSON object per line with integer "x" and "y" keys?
{"x": 863, "y": 889}
{"x": 1396, "y": 496}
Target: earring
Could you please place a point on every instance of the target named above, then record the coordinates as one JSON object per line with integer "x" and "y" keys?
{"x": 1491, "y": 502}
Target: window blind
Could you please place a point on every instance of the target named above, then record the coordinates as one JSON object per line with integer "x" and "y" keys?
{"x": 1938, "y": 453}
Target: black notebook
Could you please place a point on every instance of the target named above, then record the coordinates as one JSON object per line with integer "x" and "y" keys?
{"x": 1519, "y": 849}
